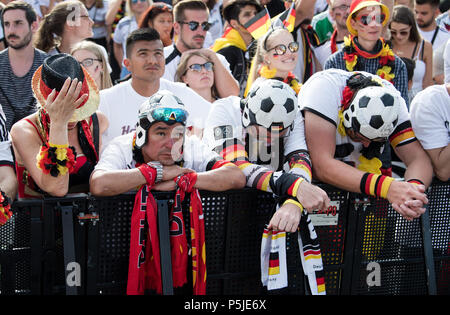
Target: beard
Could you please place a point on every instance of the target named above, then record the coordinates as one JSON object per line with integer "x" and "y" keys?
{"x": 26, "y": 40}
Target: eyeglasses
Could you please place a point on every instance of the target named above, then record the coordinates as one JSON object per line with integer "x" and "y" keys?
{"x": 136, "y": 1}
{"x": 403, "y": 33}
{"x": 282, "y": 49}
{"x": 365, "y": 19}
{"x": 193, "y": 25}
{"x": 197, "y": 67}
{"x": 88, "y": 62}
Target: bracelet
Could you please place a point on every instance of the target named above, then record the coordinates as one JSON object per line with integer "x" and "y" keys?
{"x": 56, "y": 159}
{"x": 294, "y": 202}
{"x": 149, "y": 173}
{"x": 415, "y": 181}
{"x": 5, "y": 208}
{"x": 186, "y": 181}
{"x": 375, "y": 185}
{"x": 159, "y": 170}
{"x": 294, "y": 187}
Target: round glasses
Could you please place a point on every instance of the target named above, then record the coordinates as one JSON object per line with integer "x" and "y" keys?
{"x": 366, "y": 19}
{"x": 88, "y": 62}
{"x": 193, "y": 25}
{"x": 282, "y": 49}
{"x": 197, "y": 67}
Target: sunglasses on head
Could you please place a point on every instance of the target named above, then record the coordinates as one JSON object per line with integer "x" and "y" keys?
{"x": 136, "y": 1}
{"x": 365, "y": 19}
{"x": 162, "y": 5}
{"x": 169, "y": 115}
{"x": 193, "y": 25}
{"x": 282, "y": 49}
{"x": 403, "y": 33}
{"x": 197, "y": 67}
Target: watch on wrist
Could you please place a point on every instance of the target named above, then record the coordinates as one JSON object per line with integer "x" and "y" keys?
{"x": 159, "y": 170}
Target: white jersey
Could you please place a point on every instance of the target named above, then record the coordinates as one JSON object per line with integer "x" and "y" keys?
{"x": 430, "y": 117}
{"x": 225, "y": 123}
{"x": 322, "y": 95}
{"x": 121, "y": 104}
{"x": 118, "y": 155}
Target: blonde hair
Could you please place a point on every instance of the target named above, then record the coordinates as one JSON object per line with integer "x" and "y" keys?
{"x": 128, "y": 10}
{"x": 99, "y": 53}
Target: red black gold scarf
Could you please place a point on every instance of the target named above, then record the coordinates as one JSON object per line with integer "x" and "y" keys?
{"x": 144, "y": 265}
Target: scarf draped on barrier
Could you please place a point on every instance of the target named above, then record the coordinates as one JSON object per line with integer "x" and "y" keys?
{"x": 144, "y": 265}
{"x": 274, "y": 273}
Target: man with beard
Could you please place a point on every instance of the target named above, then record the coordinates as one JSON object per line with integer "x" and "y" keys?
{"x": 145, "y": 60}
{"x": 190, "y": 27}
{"x": 18, "y": 62}
{"x": 426, "y": 12}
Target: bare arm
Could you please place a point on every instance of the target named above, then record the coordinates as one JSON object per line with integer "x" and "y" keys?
{"x": 8, "y": 181}
{"x": 417, "y": 161}
{"x": 113, "y": 8}
{"x": 440, "y": 158}
{"x": 428, "y": 59}
{"x": 118, "y": 53}
{"x": 304, "y": 9}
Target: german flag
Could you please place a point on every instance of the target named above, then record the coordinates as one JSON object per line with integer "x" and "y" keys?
{"x": 259, "y": 24}
{"x": 274, "y": 264}
{"x": 287, "y": 18}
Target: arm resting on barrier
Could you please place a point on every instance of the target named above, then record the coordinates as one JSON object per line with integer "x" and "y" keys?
{"x": 8, "y": 181}
{"x": 440, "y": 158}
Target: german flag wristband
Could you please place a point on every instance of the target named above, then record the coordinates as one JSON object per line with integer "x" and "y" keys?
{"x": 375, "y": 185}
{"x": 5, "y": 208}
{"x": 56, "y": 159}
{"x": 415, "y": 181}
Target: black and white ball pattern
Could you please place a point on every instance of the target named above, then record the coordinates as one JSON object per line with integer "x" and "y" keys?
{"x": 163, "y": 99}
{"x": 270, "y": 102}
{"x": 373, "y": 112}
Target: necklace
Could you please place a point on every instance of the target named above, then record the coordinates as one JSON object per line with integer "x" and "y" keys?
{"x": 385, "y": 54}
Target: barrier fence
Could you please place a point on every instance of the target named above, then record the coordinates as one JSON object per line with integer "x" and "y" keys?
{"x": 80, "y": 245}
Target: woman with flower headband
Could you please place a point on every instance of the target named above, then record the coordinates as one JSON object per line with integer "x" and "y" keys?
{"x": 365, "y": 49}
{"x": 57, "y": 147}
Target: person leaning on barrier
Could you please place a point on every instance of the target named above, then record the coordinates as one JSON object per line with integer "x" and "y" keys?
{"x": 8, "y": 181}
{"x": 348, "y": 126}
{"x": 263, "y": 134}
{"x": 430, "y": 118}
{"x": 57, "y": 147}
{"x": 154, "y": 154}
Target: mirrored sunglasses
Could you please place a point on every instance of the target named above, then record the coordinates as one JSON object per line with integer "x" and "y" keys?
{"x": 282, "y": 49}
{"x": 198, "y": 67}
{"x": 193, "y": 25}
{"x": 136, "y": 1}
{"x": 169, "y": 115}
{"x": 365, "y": 19}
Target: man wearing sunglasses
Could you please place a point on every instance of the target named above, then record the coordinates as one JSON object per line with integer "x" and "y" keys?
{"x": 346, "y": 130}
{"x": 158, "y": 152}
{"x": 190, "y": 28}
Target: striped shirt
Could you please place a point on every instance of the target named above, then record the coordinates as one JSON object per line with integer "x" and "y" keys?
{"x": 371, "y": 66}
{"x": 16, "y": 95}
{"x": 6, "y": 157}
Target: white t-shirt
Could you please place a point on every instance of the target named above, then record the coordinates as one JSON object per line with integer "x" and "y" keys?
{"x": 125, "y": 26}
{"x": 323, "y": 51}
{"x": 173, "y": 56}
{"x": 430, "y": 117}
{"x": 447, "y": 62}
{"x": 225, "y": 122}
{"x": 121, "y": 104}
{"x": 118, "y": 155}
{"x": 328, "y": 103}
{"x": 441, "y": 37}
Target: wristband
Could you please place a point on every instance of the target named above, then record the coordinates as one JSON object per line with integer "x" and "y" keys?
{"x": 375, "y": 185}
{"x": 149, "y": 174}
{"x": 56, "y": 159}
{"x": 415, "y": 181}
{"x": 186, "y": 181}
{"x": 5, "y": 208}
{"x": 294, "y": 187}
{"x": 294, "y": 202}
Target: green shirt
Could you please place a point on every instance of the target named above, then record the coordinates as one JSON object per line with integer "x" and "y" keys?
{"x": 323, "y": 26}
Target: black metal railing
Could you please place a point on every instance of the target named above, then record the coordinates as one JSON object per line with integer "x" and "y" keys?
{"x": 80, "y": 244}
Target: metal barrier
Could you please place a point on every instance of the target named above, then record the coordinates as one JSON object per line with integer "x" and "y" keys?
{"x": 80, "y": 245}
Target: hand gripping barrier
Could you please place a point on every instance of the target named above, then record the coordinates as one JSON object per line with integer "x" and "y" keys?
{"x": 80, "y": 245}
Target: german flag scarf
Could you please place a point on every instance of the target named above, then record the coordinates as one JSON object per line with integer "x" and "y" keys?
{"x": 274, "y": 273}
{"x": 230, "y": 37}
{"x": 144, "y": 271}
